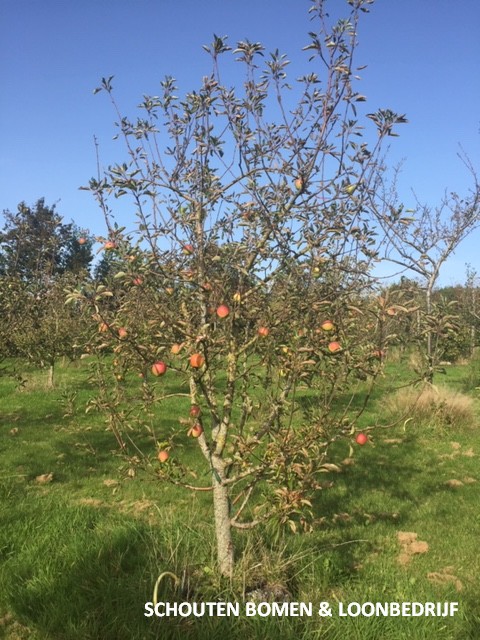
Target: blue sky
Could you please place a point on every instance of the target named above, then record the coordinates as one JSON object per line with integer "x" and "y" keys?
{"x": 423, "y": 58}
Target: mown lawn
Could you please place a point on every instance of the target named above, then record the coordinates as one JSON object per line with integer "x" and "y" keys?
{"x": 80, "y": 551}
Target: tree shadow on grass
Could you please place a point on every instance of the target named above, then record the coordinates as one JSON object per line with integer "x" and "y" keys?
{"x": 384, "y": 484}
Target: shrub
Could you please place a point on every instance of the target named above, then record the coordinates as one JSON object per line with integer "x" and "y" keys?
{"x": 432, "y": 405}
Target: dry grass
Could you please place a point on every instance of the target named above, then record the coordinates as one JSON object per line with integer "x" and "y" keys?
{"x": 432, "y": 405}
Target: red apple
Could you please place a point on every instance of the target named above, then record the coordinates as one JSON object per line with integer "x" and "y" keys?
{"x": 327, "y": 325}
{"x": 333, "y": 347}
{"x": 103, "y": 327}
{"x": 158, "y": 368}
{"x": 82, "y": 240}
{"x": 299, "y": 184}
{"x": 361, "y": 439}
{"x": 197, "y": 360}
{"x": 195, "y": 411}
{"x": 122, "y": 333}
{"x": 162, "y": 455}
{"x": 263, "y": 332}
{"x": 110, "y": 245}
{"x": 187, "y": 249}
{"x": 137, "y": 281}
{"x": 391, "y": 311}
{"x": 196, "y": 431}
{"x": 223, "y": 311}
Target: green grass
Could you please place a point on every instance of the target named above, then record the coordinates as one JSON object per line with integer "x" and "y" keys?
{"x": 79, "y": 556}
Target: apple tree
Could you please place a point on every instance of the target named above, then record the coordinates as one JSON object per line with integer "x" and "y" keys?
{"x": 40, "y": 257}
{"x": 420, "y": 240}
{"x": 246, "y": 286}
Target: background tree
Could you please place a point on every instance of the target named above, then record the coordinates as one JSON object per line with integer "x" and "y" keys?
{"x": 253, "y": 249}
{"x": 40, "y": 257}
{"x": 35, "y": 245}
{"x": 420, "y": 241}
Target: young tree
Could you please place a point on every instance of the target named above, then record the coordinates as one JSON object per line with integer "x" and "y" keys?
{"x": 248, "y": 277}
{"x": 421, "y": 241}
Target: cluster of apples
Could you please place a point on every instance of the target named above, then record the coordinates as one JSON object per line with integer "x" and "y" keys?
{"x": 334, "y": 346}
{"x": 195, "y": 430}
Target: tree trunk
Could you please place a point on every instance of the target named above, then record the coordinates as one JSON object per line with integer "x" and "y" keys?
{"x": 429, "y": 376}
{"x": 223, "y": 527}
{"x": 51, "y": 374}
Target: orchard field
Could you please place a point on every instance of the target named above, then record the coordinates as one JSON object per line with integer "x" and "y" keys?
{"x": 85, "y": 534}
{"x": 247, "y": 382}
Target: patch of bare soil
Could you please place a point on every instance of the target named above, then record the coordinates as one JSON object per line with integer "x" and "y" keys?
{"x": 410, "y": 546}
{"x": 92, "y": 502}
{"x": 10, "y": 629}
{"x": 445, "y": 576}
{"x": 110, "y": 483}
{"x": 138, "y": 507}
{"x": 454, "y": 483}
